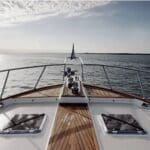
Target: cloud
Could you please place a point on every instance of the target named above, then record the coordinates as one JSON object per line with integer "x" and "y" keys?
{"x": 14, "y": 12}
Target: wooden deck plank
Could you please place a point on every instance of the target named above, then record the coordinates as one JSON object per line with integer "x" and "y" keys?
{"x": 50, "y": 92}
{"x": 54, "y": 91}
{"x": 73, "y": 129}
{"x": 94, "y": 91}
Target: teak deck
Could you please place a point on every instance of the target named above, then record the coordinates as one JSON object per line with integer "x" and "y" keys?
{"x": 54, "y": 91}
{"x": 51, "y": 91}
{"x": 94, "y": 91}
{"x": 73, "y": 129}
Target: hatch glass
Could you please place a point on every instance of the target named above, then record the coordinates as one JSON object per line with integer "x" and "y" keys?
{"x": 122, "y": 123}
{"x": 23, "y": 123}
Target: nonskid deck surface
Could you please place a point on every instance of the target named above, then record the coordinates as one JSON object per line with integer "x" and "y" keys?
{"x": 73, "y": 129}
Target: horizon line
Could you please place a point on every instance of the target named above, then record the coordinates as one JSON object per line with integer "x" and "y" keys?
{"x": 111, "y": 53}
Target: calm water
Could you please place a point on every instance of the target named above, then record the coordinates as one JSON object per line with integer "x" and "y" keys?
{"x": 120, "y": 79}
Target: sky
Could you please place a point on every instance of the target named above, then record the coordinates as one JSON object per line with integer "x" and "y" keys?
{"x": 44, "y": 26}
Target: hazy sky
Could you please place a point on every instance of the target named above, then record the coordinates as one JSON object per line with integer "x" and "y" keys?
{"x": 46, "y": 26}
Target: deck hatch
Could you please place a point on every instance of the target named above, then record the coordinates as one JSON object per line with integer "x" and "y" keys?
{"x": 122, "y": 124}
{"x": 23, "y": 123}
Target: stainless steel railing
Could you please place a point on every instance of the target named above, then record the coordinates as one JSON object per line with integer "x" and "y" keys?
{"x": 136, "y": 72}
{"x": 84, "y": 71}
{"x": 8, "y": 71}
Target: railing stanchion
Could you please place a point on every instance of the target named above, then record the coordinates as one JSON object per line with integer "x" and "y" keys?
{"x": 41, "y": 74}
{"x": 82, "y": 72}
{"x": 4, "y": 85}
{"x": 107, "y": 77}
{"x": 140, "y": 82}
{"x": 82, "y": 64}
{"x": 64, "y": 68}
{"x": 64, "y": 72}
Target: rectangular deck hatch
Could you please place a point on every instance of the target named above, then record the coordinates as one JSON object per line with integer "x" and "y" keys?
{"x": 122, "y": 124}
{"x": 23, "y": 123}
